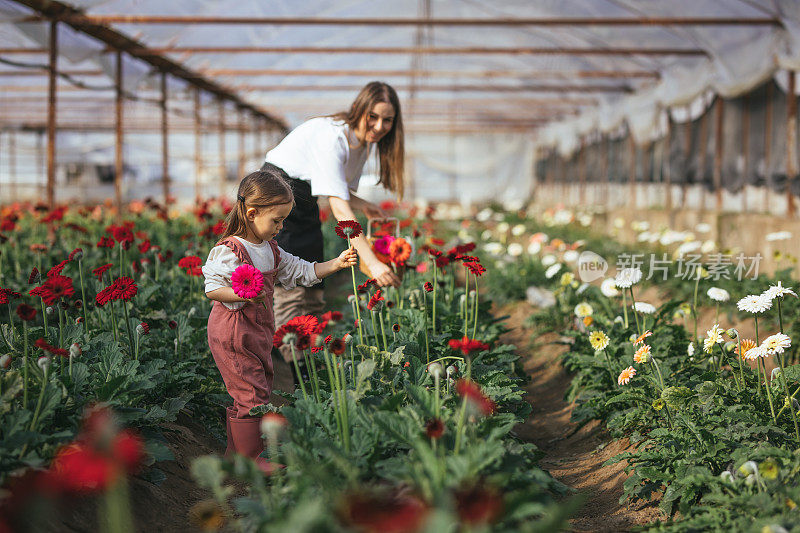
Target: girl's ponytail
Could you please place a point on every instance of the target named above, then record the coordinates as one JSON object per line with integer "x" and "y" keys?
{"x": 263, "y": 188}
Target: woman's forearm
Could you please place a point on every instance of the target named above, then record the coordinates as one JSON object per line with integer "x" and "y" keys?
{"x": 342, "y": 210}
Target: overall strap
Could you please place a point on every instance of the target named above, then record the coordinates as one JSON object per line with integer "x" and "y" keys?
{"x": 238, "y": 249}
{"x": 275, "y": 252}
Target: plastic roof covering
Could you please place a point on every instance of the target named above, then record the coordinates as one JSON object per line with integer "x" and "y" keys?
{"x": 739, "y": 58}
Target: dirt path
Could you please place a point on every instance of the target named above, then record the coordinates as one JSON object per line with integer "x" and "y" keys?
{"x": 573, "y": 457}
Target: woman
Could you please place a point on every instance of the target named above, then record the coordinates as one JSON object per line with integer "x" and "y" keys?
{"x": 325, "y": 156}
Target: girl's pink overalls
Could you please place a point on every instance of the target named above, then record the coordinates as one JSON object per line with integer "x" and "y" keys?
{"x": 241, "y": 341}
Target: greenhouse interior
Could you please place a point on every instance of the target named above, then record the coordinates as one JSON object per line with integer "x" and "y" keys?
{"x": 560, "y": 246}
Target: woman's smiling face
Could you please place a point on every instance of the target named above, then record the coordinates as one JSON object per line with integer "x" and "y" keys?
{"x": 376, "y": 123}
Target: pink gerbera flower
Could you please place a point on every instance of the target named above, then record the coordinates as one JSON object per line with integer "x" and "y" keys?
{"x": 247, "y": 281}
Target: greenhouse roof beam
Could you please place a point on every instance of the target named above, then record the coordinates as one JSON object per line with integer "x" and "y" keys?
{"x": 54, "y": 10}
{"x": 420, "y": 21}
{"x": 445, "y": 88}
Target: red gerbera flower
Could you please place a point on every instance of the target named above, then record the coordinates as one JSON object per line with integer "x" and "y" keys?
{"x": 75, "y": 255}
{"x": 467, "y": 346}
{"x": 35, "y": 277}
{"x": 376, "y": 301}
{"x": 337, "y": 346}
{"x": 434, "y": 253}
{"x": 104, "y": 296}
{"x": 58, "y": 268}
{"x": 297, "y": 328}
{"x": 42, "y": 344}
{"x": 428, "y": 286}
{"x": 144, "y": 246}
{"x": 26, "y": 312}
{"x": 479, "y": 504}
{"x": 79, "y": 468}
{"x": 475, "y": 268}
{"x": 190, "y": 261}
{"x": 471, "y": 391}
{"x": 378, "y": 511}
{"x": 348, "y": 229}
{"x": 99, "y": 271}
{"x": 105, "y": 242}
{"x": 122, "y": 234}
{"x": 332, "y": 317}
{"x": 124, "y": 288}
{"x": 442, "y": 261}
{"x": 303, "y": 342}
{"x": 59, "y": 287}
{"x": 434, "y": 428}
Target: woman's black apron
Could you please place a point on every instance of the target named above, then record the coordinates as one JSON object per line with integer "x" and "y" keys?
{"x": 302, "y": 230}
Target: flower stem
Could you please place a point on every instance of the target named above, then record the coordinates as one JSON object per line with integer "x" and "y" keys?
{"x": 694, "y": 306}
{"x": 383, "y": 332}
{"x": 425, "y": 320}
{"x": 39, "y": 401}
{"x": 635, "y": 313}
{"x": 128, "y": 325}
{"x": 460, "y": 425}
{"x": 25, "y": 365}
{"x": 475, "y": 319}
{"x": 766, "y": 386}
{"x": 297, "y": 369}
{"x": 83, "y": 298}
{"x": 435, "y": 287}
{"x": 355, "y": 293}
{"x": 786, "y": 390}
{"x": 625, "y": 307}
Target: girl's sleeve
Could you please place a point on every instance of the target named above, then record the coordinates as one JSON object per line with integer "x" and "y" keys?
{"x": 293, "y": 271}
{"x": 219, "y": 266}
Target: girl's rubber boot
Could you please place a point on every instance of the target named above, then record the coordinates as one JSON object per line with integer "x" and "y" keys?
{"x": 246, "y": 436}
{"x": 230, "y": 412}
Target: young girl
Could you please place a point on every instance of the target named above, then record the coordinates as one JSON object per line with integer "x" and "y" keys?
{"x": 240, "y": 330}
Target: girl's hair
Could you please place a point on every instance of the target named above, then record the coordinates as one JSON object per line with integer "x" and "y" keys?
{"x": 391, "y": 149}
{"x": 263, "y": 188}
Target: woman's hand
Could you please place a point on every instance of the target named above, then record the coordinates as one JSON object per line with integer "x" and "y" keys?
{"x": 384, "y": 275}
{"x": 348, "y": 258}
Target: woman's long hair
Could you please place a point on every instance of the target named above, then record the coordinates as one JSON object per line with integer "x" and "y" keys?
{"x": 263, "y": 188}
{"x": 391, "y": 148}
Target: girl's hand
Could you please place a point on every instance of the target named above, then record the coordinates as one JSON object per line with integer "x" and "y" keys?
{"x": 260, "y": 298}
{"x": 348, "y": 258}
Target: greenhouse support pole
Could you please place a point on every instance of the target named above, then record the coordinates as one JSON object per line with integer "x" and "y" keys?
{"x": 768, "y": 147}
{"x": 605, "y": 179}
{"x": 198, "y": 145}
{"x": 703, "y": 140}
{"x": 720, "y": 109}
{"x": 632, "y": 172}
{"x": 242, "y": 154}
{"x": 791, "y": 143}
{"x": 222, "y": 168}
{"x": 12, "y": 164}
{"x": 164, "y": 141}
{"x": 666, "y": 171}
{"x": 582, "y": 174}
{"x": 687, "y": 151}
{"x": 51, "y": 114}
{"x": 745, "y": 150}
{"x": 118, "y": 163}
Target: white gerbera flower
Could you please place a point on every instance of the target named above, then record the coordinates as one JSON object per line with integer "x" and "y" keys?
{"x": 754, "y": 303}
{"x": 552, "y": 271}
{"x": 776, "y": 343}
{"x": 755, "y": 353}
{"x": 778, "y": 291}
{"x": 718, "y": 295}
{"x": 502, "y": 227}
{"x": 778, "y": 236}
{"x": 515, "y": 249}
{"x": 690, "y": 349}
{"x": 628, "y": 277}
{"x": 583, "y": 309}
{"x": 571, "y": 256}
{"x": 494, "y": 248}
{"x": 644, "y": 308}
{"x": 609, "y": 288}
{"x": 534, "y": 248}
{"x": 518, "y": 230}
{"x": 548, "y": 260}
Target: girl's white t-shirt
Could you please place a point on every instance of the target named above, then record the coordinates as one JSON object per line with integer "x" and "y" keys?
{"x": 324, "y": 152}
{"x": 221, "y": 263}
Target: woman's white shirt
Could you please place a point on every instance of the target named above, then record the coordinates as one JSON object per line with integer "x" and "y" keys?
{"x": 221, "y": 262}
{"x": 324, "y": 152}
